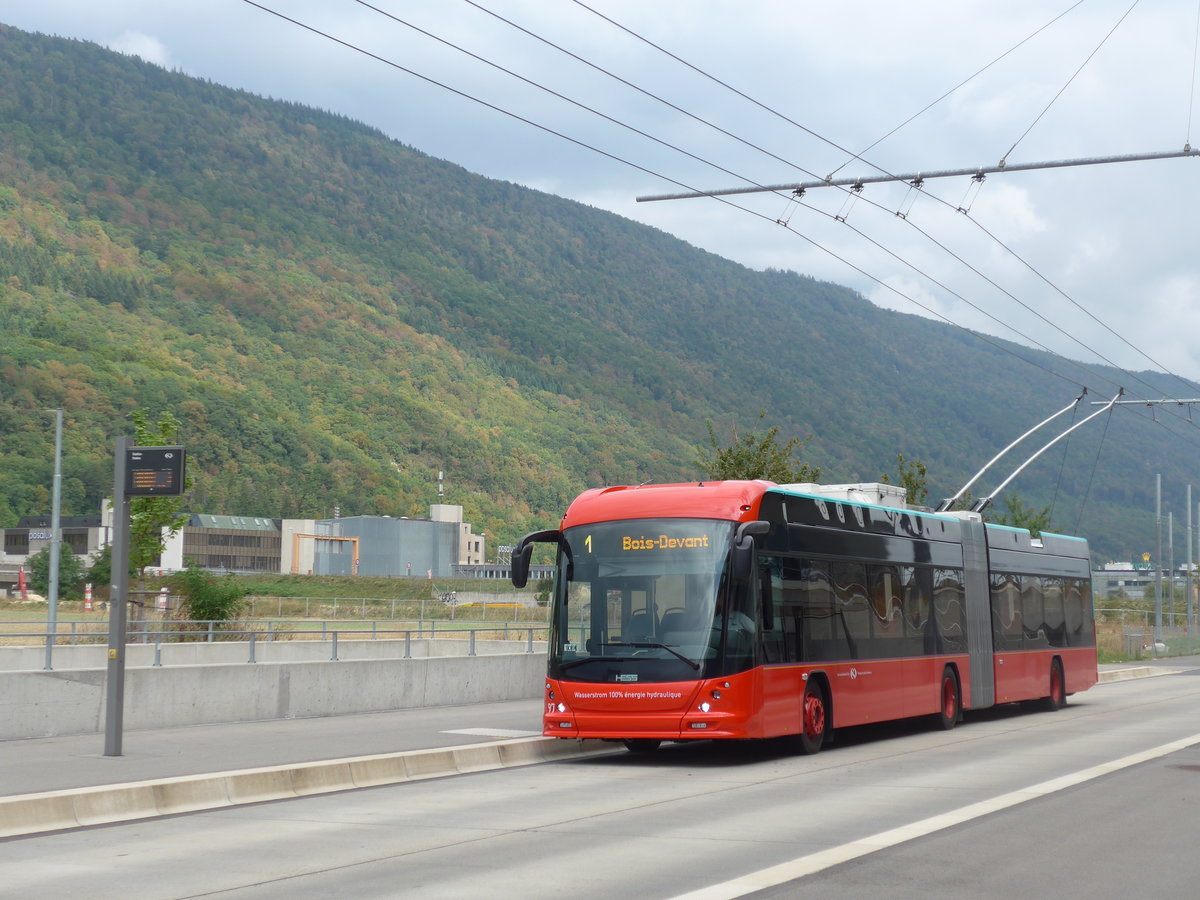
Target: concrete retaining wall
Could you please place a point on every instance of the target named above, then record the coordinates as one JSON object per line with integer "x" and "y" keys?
{"x": 95, "y": 656}
{"x": 72, "y": 701}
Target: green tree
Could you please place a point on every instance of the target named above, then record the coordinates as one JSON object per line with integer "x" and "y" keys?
{"x": 1019, "y": 515}
{"x": 152, "y": 520}
{"x": 70, "y": 573}
{"x": 544, "y": 587}
{"x": 755, "y": 455}
{"x": 100, "y": 572}
{"x": 912, "y": 478}
{"x": 205, "y": 597}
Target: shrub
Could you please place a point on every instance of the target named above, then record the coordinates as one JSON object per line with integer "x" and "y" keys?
{"x": 205, "y": 597}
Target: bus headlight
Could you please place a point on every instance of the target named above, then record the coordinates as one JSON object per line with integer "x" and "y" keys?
{"x": 704, "y": 707}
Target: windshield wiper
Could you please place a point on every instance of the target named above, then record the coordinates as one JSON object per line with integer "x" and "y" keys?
{"x": 587, "y": 659}
{"x": 653, "y": 644}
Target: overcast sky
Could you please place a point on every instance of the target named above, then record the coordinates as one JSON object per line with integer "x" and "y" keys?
{"x": 1107, "y": 254}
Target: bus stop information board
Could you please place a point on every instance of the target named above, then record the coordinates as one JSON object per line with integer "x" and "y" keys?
{"x": 153, "y": 471}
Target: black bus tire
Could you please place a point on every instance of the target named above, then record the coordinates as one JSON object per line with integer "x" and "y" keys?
{"x": 1057, "y": 698}
{"x": 949, "y": 700}
{"x": 814, "y": 717}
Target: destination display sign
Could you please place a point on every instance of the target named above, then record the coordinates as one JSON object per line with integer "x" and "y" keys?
{"x": 655, "y": 537}
{"x": 664, "y": 542}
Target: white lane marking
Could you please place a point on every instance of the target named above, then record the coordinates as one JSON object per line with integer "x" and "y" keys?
{"x": 494, "y": 732}
{"x": 815, "y": 862}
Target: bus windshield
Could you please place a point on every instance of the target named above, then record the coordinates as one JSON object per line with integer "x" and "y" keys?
{"x": 635, "y": 600}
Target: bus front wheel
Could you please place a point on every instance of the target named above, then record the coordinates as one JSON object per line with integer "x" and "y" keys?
{"x": 813, "y": 715}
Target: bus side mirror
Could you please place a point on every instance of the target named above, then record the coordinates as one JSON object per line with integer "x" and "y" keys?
{"x": 743, "y": 547}
{"x": 523, "y": 552}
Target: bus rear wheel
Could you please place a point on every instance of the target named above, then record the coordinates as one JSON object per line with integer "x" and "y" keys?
{"x": 813, "y": 720}
{"x": 1057, "y": 698}
{"x": 950, "y": 706}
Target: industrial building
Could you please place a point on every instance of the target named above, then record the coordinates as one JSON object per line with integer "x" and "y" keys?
{"x": 440, "y": 546}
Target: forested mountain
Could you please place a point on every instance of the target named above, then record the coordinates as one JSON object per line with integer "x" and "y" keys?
{"x": 334, "y": 317}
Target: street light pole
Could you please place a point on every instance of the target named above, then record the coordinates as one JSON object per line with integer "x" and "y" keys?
{"x": 1157, "y": 562}
{"x": 1190, "y": 576}
{"x": 55, "y": 540}
{"x": 1171, "y": 569}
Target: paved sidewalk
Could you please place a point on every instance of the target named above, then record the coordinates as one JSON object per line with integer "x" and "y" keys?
{"x": 61, "y": 763}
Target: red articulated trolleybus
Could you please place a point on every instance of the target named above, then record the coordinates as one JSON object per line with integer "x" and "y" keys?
{"x": 747, "y": 609}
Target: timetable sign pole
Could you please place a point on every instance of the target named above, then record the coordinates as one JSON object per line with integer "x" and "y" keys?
{"x": 137, "y": 472}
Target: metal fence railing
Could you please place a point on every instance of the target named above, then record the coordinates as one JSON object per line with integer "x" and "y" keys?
{"x": 1140, "y": 643}
{"x": 448, "y": 603}
{"x": 159, "y": 632}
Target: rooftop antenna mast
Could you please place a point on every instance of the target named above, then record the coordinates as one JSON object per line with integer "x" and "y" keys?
{"x": 983, "y": 502}
{"x": 950, "y": 501}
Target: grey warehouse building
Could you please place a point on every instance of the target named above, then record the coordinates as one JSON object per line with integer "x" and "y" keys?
{"x": 438, "y": 547}
{"x": 386, "y": 546}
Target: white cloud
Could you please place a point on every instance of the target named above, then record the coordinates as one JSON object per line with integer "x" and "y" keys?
{"x": 149, "y": 48}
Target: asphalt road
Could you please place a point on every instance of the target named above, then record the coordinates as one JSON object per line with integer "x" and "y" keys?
{"x": 995, "y": 808}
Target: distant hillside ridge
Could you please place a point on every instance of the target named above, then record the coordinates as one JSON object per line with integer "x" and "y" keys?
{"x": 334, "y": 317}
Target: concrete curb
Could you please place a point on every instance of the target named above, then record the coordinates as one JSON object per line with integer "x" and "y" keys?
{"x": 27, "y": 814}
{"x": 1131, "y": 672}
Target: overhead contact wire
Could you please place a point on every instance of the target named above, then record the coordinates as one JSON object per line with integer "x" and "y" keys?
{"x": 554, "y": 93}
{"x": 1082, "y": 66}
{"x": 938, "y": 199}
{"x": 1187, "y": 142}
{"x": 859, "y": 156}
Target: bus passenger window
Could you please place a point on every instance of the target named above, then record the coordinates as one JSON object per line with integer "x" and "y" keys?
{"x": 887, "y": 618}
{"x": 853, "y": 621}
{"x": 819, "y": 630}
{"x": 918, "y": 623}
{"x": 949, "y": 611}
{"x": 1077, "y": 607}
{"x": 1006, "y": 611}
{"x": 1033, "y": 613}
{"x": 1052, "y": 599}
